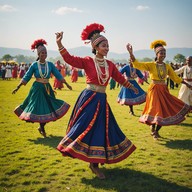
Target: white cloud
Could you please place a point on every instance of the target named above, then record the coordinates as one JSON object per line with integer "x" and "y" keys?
{"x": 141, "y": 8}
{"x": 66, "y": 10}
{"x": 7, "y": 8}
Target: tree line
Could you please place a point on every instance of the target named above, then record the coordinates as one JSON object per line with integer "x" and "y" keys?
{"x": 179, "y": 58}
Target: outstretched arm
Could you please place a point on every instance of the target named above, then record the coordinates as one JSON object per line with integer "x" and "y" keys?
{"x": 65, "y": 82}
{"x": 130, "y": 50}
{"x": 188, "y": 85}
{"x": 59, "y": 37}
{"x": 18, "y": 87}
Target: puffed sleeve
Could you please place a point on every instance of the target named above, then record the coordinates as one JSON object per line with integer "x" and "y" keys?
{"x": 174, "y": 77}
{"x": 145, "y": 66}
{"x": 74, "y": 61}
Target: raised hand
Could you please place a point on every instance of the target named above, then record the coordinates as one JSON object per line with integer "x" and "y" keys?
{"x": 129, "y": 48}
{"x": 14, "y": 91}
{"x": 59, "y": 36}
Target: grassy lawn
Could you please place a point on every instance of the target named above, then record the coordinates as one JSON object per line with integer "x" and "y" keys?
{"x": 30, "y": 163}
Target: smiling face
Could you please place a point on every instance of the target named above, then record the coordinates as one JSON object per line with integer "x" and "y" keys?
{"x": 161, "y": 55}
{"x": 102, "y": 49}
{"x": 42, "y": 56}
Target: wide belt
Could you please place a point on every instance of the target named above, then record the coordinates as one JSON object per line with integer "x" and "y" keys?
{"x": 158, "y": 82}
{"x": 40, "y": 80}
{"x": 97, "y": 88}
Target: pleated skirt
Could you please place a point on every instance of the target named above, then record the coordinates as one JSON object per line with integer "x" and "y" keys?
{"x": 162, "y": 108}
{"x": 93, "y": 134}
{"x": 41, "y": 105}
{"x": 128, "y": 97}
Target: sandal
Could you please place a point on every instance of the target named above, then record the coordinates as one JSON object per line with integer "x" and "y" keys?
{"x": 97, "y": 172}
{"x": 42, "y": 132}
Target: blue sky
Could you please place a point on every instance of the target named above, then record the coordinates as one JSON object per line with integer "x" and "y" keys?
{"x": 136, "y": 21}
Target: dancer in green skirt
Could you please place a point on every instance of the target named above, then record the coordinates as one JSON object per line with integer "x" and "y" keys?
{"x": 41, "y": 105}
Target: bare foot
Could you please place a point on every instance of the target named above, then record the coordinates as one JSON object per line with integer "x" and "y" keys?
{"x": 97, "y": 171}
{"x": 42, "y": 132}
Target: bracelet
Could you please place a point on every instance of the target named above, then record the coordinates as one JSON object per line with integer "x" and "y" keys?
{"x": 61, "y": 48}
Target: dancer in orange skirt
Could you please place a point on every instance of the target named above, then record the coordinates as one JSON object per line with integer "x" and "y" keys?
{"x": 161, "y": 107}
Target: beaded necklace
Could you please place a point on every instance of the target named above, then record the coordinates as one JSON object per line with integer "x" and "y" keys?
{"x": 43, "y": 76}
{"x": 133, "y": 72}
{"x": 102, "y": 77}
{"x": 161, "y": 70}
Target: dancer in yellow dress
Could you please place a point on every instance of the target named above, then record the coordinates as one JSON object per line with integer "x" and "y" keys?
{"x": 161, "y": 107}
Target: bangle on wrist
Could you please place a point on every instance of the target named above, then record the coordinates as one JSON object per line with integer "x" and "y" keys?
{"x": 61, "y": 48}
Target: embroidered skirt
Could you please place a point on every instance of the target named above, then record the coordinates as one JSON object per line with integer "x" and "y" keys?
{"x": 93, "y": 134}
{"x": 162, "y": 108}
{"x": 41, "y": 105}
{"x": 128, "y": 97}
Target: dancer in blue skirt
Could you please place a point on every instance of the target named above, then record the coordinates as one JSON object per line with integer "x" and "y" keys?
{"x": 41, "y": 105}
{"x": 93, "y": 134}
{"x": 127, "y": 96}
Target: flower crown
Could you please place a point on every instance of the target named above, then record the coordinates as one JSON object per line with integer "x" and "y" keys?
{"x": 91, "y": 30}
{"x": 157, "y": 43}
{"x": 38, "y": 42}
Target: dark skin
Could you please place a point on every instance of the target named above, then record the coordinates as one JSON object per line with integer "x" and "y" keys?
{"x": 42, "y": 59}
{"x": 160, "y": 56}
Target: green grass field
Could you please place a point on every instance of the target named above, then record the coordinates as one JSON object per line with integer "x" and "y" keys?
{"x": 30, "y": 163}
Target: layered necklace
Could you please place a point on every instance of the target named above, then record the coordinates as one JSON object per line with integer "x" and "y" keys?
{"x": 43, "y": 76}
{"x": 161, "y": 70}
{"x": 133, "y": 72}
{"x": 102, "y": 77}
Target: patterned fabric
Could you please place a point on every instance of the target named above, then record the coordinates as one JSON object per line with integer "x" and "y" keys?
{"x": 168, "y": 109}
{"x": 127, "y": 96}
{"x": 93, "y": 134}
{"x": 41, "y": 105}
{"x": 153, "y": 73}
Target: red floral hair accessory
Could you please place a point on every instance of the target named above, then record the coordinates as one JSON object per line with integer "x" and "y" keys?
{"x": 37, "y": 43}
{"x": 90, "y": 30}
{"x": 92, "y": 33}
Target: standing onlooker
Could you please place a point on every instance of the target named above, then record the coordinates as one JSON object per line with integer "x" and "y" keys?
{"x": 57, "y": 83}
{"x": 3, "y": 71}
{"x": 185, "y": 94}
{"x": 14, "y": 71}
{"x": 21, "y": 70}
{"x": 8, "y": 73}
{"x": 74, "y": 74}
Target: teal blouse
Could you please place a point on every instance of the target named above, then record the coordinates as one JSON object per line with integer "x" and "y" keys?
{"x": 33, "y": 70}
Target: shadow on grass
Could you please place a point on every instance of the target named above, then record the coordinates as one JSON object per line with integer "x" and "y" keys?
{"x": 179, "y": 144}
{"x": 51, "y": 141}
{"x": 126, "y": 180}
{"x": 188, "y": 125}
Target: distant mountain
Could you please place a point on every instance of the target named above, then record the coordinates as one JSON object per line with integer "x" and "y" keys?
{"x": 86, "y": 51}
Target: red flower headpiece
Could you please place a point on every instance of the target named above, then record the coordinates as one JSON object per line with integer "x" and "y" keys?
{"x": 37, "y": 43}
{"x": 90, "y": 30}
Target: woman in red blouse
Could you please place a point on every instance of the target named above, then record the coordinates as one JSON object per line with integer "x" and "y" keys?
{"x": 93, "y": 134}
